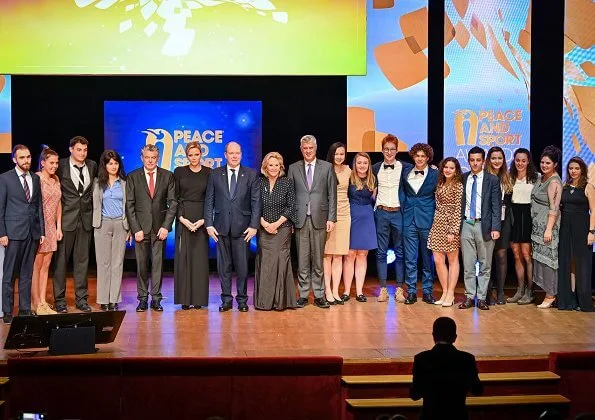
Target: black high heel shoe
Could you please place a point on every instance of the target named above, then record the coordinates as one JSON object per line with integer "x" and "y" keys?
{"x": 361, "y": 298}
{"x": 344, "y": 297}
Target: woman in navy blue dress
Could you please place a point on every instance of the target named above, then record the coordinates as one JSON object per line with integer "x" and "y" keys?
{"x": 362, "y": 236}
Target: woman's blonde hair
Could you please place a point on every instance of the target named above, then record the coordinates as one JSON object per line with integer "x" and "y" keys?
{"x": 368, "y": 181}
{"x": 502, "y": 174}
{"x": 265, "y": 162}
{"x": 193, "y": 145}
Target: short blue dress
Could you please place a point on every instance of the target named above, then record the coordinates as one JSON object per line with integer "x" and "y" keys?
{"x": 363, "y": 228}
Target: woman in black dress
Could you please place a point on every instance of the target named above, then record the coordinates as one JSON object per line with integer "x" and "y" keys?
{"x": 191, "y": 264}
{"x": 577, "y": 233}
{"x": 496, "y": 165}
{"x": 274, "y": 286}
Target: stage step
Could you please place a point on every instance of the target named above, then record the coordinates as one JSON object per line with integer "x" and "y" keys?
{"x": 495, "y": 384}
{"x": 4, "y": 384}
{"x": 511, "y": 407}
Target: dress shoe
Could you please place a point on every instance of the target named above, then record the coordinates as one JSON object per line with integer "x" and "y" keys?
{"x": 361, "y": 298}
{"x": 301, "y": 302}
{"x": 428, "y": 298}
{"x": 338, "y": 301}
{"x": 185, "y": 307}
{"x": 113, "y": 306}
{"x": 501, "y": 299}
{"x": 84, "y": 307}
{"x": 547, "y": 303}
{"x": 26, "y": 313}
{"x": 142, "y": 306}
{"x": 321, "y": 303}
{"x": 344, "y": 297}
{"x": 466, "y": 304}
{"x": 448, "y": 303}
{"x": 7, "y": 318}
{"x": 104, "y": 307}
{"x": 483, "y": 305}
{"x": 243, "y": 307}
{"x": 156, "y": 306}
{"x": 225, "y": 307}
{"x": 61, "y": 309}
{"x": 411, "y": 299}
{"x": 331, "y": 302}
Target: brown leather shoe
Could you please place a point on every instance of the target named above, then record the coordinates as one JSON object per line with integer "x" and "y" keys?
{"x": 466, "y": 304}
{"x": 483, "y": 305}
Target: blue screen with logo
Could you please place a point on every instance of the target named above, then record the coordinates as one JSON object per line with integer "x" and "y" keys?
{"x": 129, "y": 125}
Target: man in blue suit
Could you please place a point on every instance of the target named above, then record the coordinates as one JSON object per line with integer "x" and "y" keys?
{"x": 232, "y": 216}
{"x": 418, "y": 214}
{"x": 388, "y": 215}
{"x": 481, "y": 210}
{"x": 22, "y": 229}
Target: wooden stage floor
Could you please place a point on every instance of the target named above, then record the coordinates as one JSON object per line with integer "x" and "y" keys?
{"x": 356, "y": 331}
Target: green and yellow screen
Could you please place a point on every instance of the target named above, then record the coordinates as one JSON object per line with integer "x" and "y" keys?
{"x": 301, "y": 37}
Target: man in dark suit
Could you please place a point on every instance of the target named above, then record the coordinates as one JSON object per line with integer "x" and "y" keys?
{"x": 388, "y": 215}
{"x": 22, "y": 229}
{"x": 418, "y": 215}
{"x": 481, "y": 210}
{"x": 151, "y": 209}
{"x": 76, "y": 174}
{"x": 444, "y": 375}
{"x": 232, "y": 216}
{"x": 315, "y": 185}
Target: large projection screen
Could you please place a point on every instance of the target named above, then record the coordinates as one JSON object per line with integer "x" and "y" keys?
{"x": 208, "y": 37}
{"x": 487, "y": 57}
{"x": 393, "y": 95}
{"x": 5, "y": 115}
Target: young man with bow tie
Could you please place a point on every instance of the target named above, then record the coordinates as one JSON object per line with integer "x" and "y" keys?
{"x": 418, "y": 214}
{"x": 388, "y": 215}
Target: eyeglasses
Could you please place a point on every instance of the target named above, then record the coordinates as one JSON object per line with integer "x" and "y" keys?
{"x": 389, "y": 150}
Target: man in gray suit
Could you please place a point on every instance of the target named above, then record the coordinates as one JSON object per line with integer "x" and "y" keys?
{"x": 316, "y": 201}
{"x": 22, "y": 229}
{"x": 481, "y": 210}
{"x": 151, "y": 209}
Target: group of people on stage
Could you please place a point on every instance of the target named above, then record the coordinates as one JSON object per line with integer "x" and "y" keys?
{"x": 337, "y": 213}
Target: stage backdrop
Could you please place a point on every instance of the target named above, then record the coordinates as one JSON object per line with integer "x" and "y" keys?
{"x": 393, "y": 96}
{"x": 314, "y": 37}
{"x": 579, "y": 84}
{"x": 5, "y": 115}
{"x": 487, "y": 67}
{"x": 171, "y": 125}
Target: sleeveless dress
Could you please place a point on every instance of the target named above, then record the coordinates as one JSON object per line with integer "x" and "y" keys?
{"x": 447, "y": 218}
{"x": 545, "y": 256}
{"x": 337, "y": 241}
{"x": 51, "y": 194}
{"x": 574, "y": 227}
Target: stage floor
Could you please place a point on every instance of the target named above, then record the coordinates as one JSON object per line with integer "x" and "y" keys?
{"x": 355, "y": 331}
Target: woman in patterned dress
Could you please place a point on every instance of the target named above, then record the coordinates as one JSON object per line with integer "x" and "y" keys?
{"x": 445, "y": 233}
{"x": 337, "y": 241}
{"x": 545, "y": 211}
{"x": 52, "y": 211}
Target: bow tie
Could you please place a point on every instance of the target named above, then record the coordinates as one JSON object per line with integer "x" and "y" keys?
{"x": 418, "y": 172}
{"x": 389, "y": 166}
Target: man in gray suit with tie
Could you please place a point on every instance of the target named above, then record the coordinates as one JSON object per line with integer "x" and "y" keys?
{"x": 316, "y": 201}
{"x": 22, "y": 229}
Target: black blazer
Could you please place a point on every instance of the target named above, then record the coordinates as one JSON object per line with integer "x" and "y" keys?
{"x": 20, "y": 218}
{"x": 146, "y": 213}
{"x": 74, "y": 204}
{"x": 443, "y": 376}
{"x": 491, "y": 204}
{"x": 233, "y": 215}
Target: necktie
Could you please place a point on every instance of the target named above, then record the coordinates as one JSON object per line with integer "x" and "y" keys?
{"x": 151, "y": 184}
{"x": 26, "y": 187}
{"x": 386, "y": 166}
{"x": 418, "y": 172}
{"x": 473, "y": 209}
{"x": 309, "y": 176}
{"x": 233, "y": 183}
{"x": 81, "y": 187}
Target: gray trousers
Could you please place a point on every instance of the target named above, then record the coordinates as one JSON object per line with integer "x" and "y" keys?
{"x": 310, "y": 245}
{"x": 475, "y": 249}
{"x": 110, "y": 246}
{"x": 149, "y": 250}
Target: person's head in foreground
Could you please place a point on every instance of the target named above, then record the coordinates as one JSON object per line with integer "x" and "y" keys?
{"x": 444, "y": 330}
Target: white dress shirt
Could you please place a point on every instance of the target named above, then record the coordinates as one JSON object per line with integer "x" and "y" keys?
{"x": 147, "y": 177}
{"x": 229, "y": 173}
{"x": 28, "y": 179}
{"x": 388, "y": 185}
{"x": 313, "y": 163}
{"x": 468, "y": 188}
{"x": 417, "y": 180}
{"x": 75, "y": 175}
